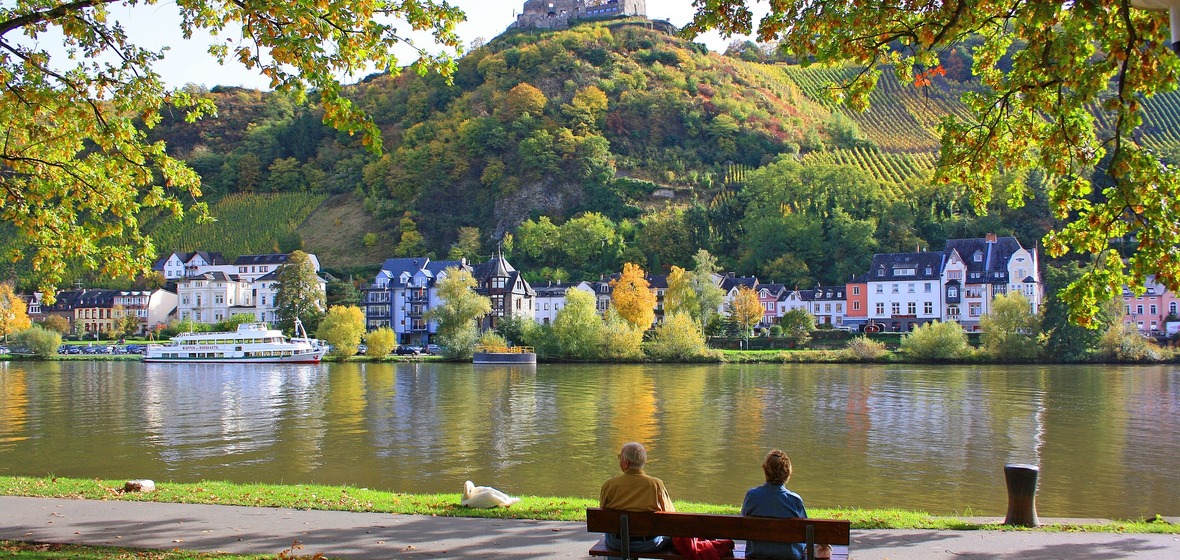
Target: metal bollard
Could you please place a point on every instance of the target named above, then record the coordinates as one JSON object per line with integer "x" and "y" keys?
{"x": 1022, "y": 495}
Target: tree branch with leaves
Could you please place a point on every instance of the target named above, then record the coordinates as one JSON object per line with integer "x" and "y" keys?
{"x": 78, "y": 175}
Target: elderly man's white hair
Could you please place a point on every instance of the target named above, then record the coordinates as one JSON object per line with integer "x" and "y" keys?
{"x": 634, "y": 453}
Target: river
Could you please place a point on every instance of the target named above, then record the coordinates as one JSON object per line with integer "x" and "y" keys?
{"x": 933, "y": 438}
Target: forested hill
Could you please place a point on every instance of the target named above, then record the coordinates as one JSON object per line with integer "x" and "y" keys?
{"x": 609, "y": 142}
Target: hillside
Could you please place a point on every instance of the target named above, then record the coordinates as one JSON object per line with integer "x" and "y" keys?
{"x": 668, "y": 147}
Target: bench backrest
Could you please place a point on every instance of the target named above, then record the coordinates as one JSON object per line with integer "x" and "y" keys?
{"x": 712, "y": 526}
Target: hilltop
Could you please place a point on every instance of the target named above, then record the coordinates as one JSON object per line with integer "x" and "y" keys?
{"x": 666, "y": 145}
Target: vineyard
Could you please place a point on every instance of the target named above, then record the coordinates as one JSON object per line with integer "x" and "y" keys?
{"x": 900, "y": 118}
{"x": 245, "y": 224}
{"x": 899, "y": 173}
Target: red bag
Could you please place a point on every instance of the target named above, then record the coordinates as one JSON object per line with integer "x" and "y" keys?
{"x": 702, "y": 549}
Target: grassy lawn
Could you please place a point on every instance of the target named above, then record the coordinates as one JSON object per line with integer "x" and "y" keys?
{"x": 343, "y": 498}
{"x": 15, "y": 549}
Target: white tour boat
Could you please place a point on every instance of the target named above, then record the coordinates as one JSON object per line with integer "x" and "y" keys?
{"x": 251, "y": 343}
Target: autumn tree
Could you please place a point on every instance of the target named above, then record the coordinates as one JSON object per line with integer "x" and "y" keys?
{"x": 745, "y": 310}
{"x": 125, "y": 324}
{"x": 56, "y": 323}
{"x": 457, "y": 312}
{"x": 343, "y": 328}
{"x": 619, "y": 338}
{"x": 680, "y": 297}
{"x": 679, "y": 337}
{"x": 380, "y": 342}
{"x": 632, "y": 297}
{"x": 299, "y": 296}
{"x": 14, "y": 316}
{"x": 1062, "y": 91}
{"x": 80, "y": 173}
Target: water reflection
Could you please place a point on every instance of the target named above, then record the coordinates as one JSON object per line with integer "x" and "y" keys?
{"x": 933, "y": 438}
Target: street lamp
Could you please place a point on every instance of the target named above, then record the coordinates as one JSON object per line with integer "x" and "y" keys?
{"x": 1173, "y": 8}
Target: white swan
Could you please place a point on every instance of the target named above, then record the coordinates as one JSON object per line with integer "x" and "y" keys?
{"x": 485, "y": 497}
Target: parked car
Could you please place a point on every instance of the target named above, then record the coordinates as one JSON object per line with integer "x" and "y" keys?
{"x": 433, "y": 349}
{"x": 406, "y": 351}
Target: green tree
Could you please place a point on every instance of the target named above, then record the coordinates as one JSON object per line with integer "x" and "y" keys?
{"x": 1063, "y": 339}
{"x": 41, "y": 342}
{"x": 936, "y": 341}
{"x": 343, "y": 328}
{"x": 1062, "y": 89}
{"x": 1010, "y": 330}
{"x": 14, "y": 316}
{"x": 797, "y": 326}
{"x": 708, "y": 294}
{"x": 299, "y": 295}
{"x": 467, "y": 246}
{"x": 457, "y": 312}
{"x": 745, "y": 310}
{"x": 230, "y": 324}
{"x": 632, "y": 297}
{"x": 679, "y": 337}
{"x": 380, "y": 343}
{"x": 77, "y": 124}
{"x": 577, "y": 326}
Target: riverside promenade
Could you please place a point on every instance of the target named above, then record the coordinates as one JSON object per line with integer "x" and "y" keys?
{"x": 346, "y": 535}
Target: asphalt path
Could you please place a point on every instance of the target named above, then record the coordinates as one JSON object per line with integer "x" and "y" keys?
{"x": 382, "y": 535}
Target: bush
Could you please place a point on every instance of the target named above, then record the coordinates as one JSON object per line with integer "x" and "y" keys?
{"x": 40, "y": 341}
{"x": 492, "y": 339}
{"x": 936, "y": 341}
{"x": 1124, "y": 343}
{"x": 620, "y": 339}
{"x": 865, "y": 349}
{"x": 677, "y": 338}
{"x": 380, "y": 343}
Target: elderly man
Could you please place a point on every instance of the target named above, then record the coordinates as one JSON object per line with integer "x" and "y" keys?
{"x": 635, "y": 491}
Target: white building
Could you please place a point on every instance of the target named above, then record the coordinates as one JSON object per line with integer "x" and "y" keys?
{"x": 551, "y": 299}
{"x": 179, "y": 265}
{"x": 214, "y": 293}
{"x": 905, "y": 290}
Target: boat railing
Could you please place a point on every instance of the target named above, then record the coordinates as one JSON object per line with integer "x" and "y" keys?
{"x": 485, "y": 349}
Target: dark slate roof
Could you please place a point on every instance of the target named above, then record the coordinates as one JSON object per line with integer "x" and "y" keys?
{"x": 994, "y": 266}
{"x": 658, "y": 282}
{"x": 496, "y": 266}
{"x": 214, "y": 276}
{"x": 730, "y": 282}
{"x": 774, "y": 289}
{"x": 828, "y": 293}
{"x": 890, "y": 263}
{"x": 554, "y": 289}
{"x": 211, "y": 257}
{"x": 273, "y": 258}
{"x": 435, "y": 267}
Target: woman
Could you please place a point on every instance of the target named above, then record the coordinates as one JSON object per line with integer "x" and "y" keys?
{"x": 773, "y": 499}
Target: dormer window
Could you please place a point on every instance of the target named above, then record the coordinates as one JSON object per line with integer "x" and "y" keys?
{"x": 977, "y": 257}
{"x": 881, "y": 271}
{"x": 928, "y": 270}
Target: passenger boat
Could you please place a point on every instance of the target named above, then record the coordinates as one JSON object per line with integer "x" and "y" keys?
{"x": 251, "y": 343}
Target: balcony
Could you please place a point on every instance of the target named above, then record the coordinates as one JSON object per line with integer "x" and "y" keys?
{"x": 417, "y": 296}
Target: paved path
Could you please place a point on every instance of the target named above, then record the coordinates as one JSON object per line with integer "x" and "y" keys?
{"x": 382, "y": 535}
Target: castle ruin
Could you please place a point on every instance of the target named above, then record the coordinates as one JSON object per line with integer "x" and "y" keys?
{"x": 557, "y": 14}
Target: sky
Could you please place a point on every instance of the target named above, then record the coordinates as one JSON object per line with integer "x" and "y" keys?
{"x": 188, "y": 61}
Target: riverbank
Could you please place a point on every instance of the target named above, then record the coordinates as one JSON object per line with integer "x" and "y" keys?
{"x": 545, "y": 508}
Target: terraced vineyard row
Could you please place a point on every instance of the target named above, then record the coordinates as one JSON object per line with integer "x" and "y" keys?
{"x": 246, "y": 224}
{"x": 899, "y": 173}
{"x": 890, "y": 122}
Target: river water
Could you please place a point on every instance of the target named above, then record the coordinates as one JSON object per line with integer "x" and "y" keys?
{"x": 934, "y": 438}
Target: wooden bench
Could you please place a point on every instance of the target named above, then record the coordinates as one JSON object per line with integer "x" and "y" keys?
{"x": 740, "y": 528}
